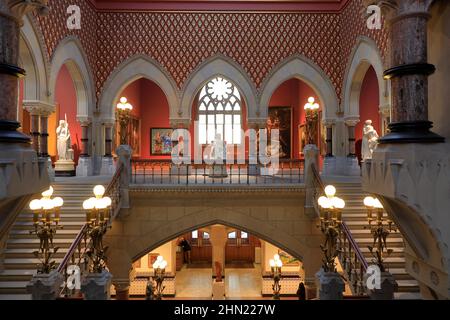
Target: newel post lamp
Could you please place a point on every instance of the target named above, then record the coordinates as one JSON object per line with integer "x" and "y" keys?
{"x": 159, "y": 272}
{"x": 46, "y": 217}
{"x": 98, "y": 214}
{"x": 312, "y": 112}
{"x": 275, "y": 267}
{"x": 124, "y": 109}
{"x": 330, "y": 225}
{"x": 380, "y": 230}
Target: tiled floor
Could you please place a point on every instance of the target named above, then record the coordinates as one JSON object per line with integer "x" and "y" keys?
{"x": 239, "y": 283}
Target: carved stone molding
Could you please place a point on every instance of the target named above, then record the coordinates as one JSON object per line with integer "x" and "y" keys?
{"x": 39, "y": 108}
{"x": 19, "y": 8}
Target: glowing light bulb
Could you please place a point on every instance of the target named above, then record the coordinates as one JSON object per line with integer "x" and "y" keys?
{"x": 330, "y": 191}
{"x": 35, "y": 204}
{"x": 311, "y": 100}
{"x": 123, "y": 100}
{"x": 99, "y": 191}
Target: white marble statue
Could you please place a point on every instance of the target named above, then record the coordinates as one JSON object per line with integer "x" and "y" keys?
{"x": 63, "y": 142}
{"x": 369, "y": 140}
{"x": 218, "y": 149}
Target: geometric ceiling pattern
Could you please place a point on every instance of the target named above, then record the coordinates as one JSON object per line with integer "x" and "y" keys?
{"x": 181, "y": 41}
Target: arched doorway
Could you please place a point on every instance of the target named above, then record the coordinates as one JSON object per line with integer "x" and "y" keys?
{"x": 149, "y": 119}
{"x": 246, "y": 271}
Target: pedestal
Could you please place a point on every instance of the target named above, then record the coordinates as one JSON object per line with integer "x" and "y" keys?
{"x": 108, "y": 167}
{"x": 218, "y": 290}
{"x": 84, "y": 167}
{"x": 388, "y": 286}
{"x": 45, "y": 286}
{"x": 331, "y": 285}
{"x": 51, "y": 171}
{"x": 96, "y": 286}
{"x": 65, "y": 168}
{"x": 217, "y": 171}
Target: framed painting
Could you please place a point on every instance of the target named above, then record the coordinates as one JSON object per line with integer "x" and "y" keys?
{"x": 152, "y": 258}
{"x": 287, "y": 259}
{"x": 281, "y": 118}
{"x": 161, "y": 141}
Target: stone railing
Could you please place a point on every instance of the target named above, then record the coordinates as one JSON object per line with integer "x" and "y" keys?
{"x": 413, "y": 182}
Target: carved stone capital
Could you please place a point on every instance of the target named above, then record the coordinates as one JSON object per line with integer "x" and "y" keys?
{"x": 19, "y": 8}
{"x": 84, "y": 121}
{"x": 180, "y": 123}
{"x": 39, "y": 108}
{"x": 257, "y": 123}
{"x": 393, "y": 9}
{"x": 328, "y": 122}
{"x": 351, "y": 121}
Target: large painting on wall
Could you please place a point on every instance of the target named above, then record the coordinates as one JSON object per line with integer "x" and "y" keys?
{"x": 287, "y": 259}
{"x": 161, "y": 141}
{"x": 281, "y": 118}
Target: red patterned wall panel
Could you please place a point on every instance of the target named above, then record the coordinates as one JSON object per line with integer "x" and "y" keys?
{"x": 181, "y": 41}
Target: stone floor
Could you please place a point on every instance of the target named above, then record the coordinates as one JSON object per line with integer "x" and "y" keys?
{"x": 239, "y": 283}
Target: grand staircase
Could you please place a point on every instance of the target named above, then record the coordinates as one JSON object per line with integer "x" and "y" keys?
{"x": 355, "y": 217}
{"x": 20, "y": 263}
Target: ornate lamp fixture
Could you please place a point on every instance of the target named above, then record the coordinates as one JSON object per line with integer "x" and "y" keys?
{"x": 159, "y": 269}
{"x": 275, "y": 266}
{"x": 46, "y": 216}
{"x": 98, "y": 214}
{"x": 124, "y": 113}
{"x": 330, "y": 225}
{"x": 380, "y": 231}
{"x": 311, "y": 109}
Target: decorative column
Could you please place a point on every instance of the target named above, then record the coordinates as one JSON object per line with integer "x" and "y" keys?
{"x": 329, "y": 163}
{"x": 218, "y": 238}
{"x": 84, "y": 167}
{"x": 409, "y": 72}
{"x": 351, "y": 165}
{"x": 107, "y": 160}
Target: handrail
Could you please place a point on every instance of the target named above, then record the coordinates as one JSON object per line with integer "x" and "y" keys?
{"x": 352, "y": 259}
{"x": 162, "y": 172}
{"x": 113, "y": 191}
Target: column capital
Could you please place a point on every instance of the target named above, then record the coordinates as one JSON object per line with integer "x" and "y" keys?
{"x": 394, "y": 9}
{"x": 180, "y": 123}
{"x": 351, "y": 121}
{"x": 19, "y": 8}
{"x": 84, "y": 121}
{"x": 38, "y": 108}
{"x": 328, "y": 122}
{"x": 385, "y": 110}
{"x": 257, "y": 123}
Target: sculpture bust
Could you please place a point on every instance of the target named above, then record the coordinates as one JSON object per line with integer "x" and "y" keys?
{"x": 63, "y": 142}
{"x": 369, "y": 140}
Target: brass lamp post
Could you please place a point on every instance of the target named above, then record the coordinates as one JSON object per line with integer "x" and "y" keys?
{"x": 380, "y": 230}
{"x": 311, "y": 109}
{"x": 46, "y": 216}
{"x": 159, "y": 272}
{"x": 275, "y": 266}
{"x": 98, "y": 214}
{"x": 330, "y": 225}
{"x": 124, "y": 113}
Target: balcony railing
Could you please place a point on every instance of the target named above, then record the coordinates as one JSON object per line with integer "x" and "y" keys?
{"x": 153, "y": 172}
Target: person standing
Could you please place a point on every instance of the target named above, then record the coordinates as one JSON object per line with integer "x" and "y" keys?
{"x": 186, "y": 247}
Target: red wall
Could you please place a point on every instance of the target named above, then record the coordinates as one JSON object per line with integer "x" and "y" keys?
{"x": 368, "y": 106}
{"x": 293, "y": 93}
{"x": 66, "y": 98}
{"x": 150, "y": 105}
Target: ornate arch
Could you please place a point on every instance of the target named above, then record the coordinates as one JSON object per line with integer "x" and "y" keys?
{"x": 218, "y": 65}
{"x": 298, "y": 66}
{"x": 70, "y": 52}
{"x": 364, "y": 55}
{"x": 136, "y": 67}
{"x": 34, "y": 60}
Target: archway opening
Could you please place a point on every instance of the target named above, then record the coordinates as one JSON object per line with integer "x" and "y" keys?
{"x": 219, "y": 109}
{"x": 287, "y": 105}
{"x": 193, "y": 271}
{"x": 369, "y": 103}
{"x": 149, "y": 128}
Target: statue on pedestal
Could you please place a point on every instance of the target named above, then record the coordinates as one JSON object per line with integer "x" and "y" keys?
{"x": 218, "y": 149}
{"x": 64, "y": 166}
{"x": 64, "y": 142}
{"x": 369, "y": 140}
